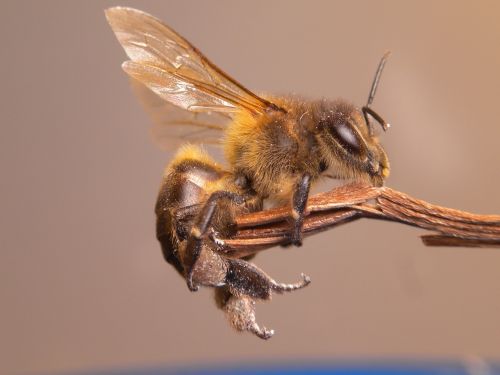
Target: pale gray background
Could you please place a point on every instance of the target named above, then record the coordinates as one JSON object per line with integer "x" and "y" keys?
{"x": 83, "y": 284}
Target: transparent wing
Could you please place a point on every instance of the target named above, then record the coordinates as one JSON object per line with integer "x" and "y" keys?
{"x": 173, "y": 126}
{"x": 175, "y": 70}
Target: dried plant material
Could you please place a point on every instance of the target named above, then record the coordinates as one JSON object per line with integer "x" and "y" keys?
{"x": 441, "y": 240}
{"x": 264, "y": 229}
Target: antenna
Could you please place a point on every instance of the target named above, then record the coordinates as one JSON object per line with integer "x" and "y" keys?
{"x": 366, "y": 109}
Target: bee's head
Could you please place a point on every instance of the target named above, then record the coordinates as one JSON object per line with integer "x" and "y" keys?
{"x": 348, "y": 142}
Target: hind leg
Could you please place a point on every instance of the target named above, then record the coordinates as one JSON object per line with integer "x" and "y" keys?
{"x": 240, "y": 312}
{"x": 244, "y": 284}
{"x": 244, "y": 278}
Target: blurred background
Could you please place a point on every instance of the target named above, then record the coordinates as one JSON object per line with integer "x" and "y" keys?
{"x": 83, "y": 286}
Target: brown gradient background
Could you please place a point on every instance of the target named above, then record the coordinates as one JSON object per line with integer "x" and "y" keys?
{"x": 83, "y": 284}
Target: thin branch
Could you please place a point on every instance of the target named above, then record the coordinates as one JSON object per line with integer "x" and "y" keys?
{"x": 264, "y": 229}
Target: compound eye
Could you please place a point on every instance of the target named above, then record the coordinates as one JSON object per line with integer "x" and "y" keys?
{"x": 346, "y": 136}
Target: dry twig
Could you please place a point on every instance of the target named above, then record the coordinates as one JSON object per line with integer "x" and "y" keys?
{"x": 264, "y": 229}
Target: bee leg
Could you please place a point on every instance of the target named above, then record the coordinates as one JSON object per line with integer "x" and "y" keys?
{"x": 299, "y": 201}
{"x": 282, "y": 287}
{"x": 244, "y": 278}
{"x": 240, "y": 312}
{"x": 199, "y": 230}
{"x": 245, "y": 283}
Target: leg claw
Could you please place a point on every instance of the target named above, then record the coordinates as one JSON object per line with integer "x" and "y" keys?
{"x": 263, "y": 333}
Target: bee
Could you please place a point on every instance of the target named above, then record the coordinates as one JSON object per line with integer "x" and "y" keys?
{"x": 276, "y": 147}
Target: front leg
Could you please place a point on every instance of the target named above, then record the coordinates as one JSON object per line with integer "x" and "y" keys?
{"x": 199, "y": 231}
{"x": 299, "y": 201}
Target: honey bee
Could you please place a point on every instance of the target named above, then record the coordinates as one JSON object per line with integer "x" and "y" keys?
{"x": 276, "y": 147}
